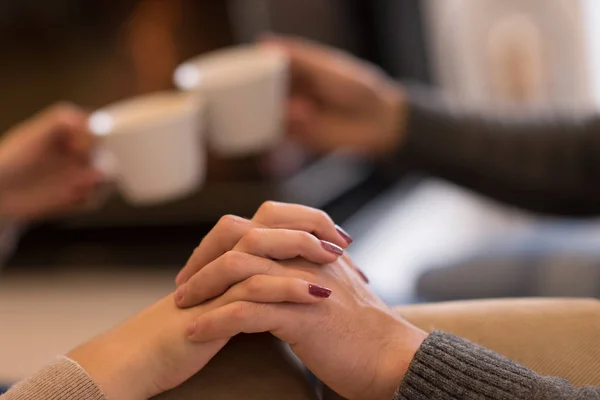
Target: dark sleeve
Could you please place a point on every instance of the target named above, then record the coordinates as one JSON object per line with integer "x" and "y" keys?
{"x": 544, "y": 163}
{"x": 447, "y": 367}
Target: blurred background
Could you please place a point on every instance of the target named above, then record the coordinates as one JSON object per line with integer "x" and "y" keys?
{"x": 493, "y": 55}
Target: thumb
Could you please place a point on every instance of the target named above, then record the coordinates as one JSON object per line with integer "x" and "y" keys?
{"x": 64, "y": 124}
{"x": 301, "y": 116}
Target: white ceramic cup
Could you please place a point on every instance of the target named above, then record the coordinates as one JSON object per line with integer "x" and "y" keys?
{"x": 245, "y": 89}
{"x": 152, "y": 145}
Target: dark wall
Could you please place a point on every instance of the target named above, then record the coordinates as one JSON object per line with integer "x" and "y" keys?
{"x": 389, "y": 33}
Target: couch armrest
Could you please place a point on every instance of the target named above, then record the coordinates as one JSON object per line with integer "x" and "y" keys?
{"x": 555, "y": 337}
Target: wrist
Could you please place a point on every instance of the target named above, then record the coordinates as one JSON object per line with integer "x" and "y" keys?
{"x": 399, "y": 354}
{"x": 113, "y": 368}
{"x": 395, "y": 118}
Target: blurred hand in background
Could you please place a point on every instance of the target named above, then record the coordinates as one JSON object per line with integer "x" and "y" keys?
{"x": 338, "y": 101}
{"x": 45, "y": 167}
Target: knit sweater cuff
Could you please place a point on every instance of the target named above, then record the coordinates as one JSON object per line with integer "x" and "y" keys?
{"x": 450, "y": 367}
{"x": 63, "y": 379}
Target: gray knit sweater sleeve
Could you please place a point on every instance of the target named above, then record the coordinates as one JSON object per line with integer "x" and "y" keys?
{"x": 448, "y": 367}
{"x": 542, "y": 162}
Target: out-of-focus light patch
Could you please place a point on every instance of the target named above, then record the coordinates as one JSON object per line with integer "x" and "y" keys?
{"x": 591, "y": 30}
{"x": 187, "y": 77}
{"x": 101, "y": 123}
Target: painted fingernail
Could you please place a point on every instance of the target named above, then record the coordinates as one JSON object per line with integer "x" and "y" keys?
{"x": 362, "y": 275}
{"x": 344, "y": 234}
{"x": 179, "y": 296}
{"x": 190, "y": 329}
{"x": 332, "y": 248}
{"x": 319, "y": 291}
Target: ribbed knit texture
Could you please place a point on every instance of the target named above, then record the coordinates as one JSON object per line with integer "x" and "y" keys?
{"x": 544, "y": 163}
{"x": 61, "y": 380}
{"x": 445, "y": 367}
{"x": 448, "y": 367}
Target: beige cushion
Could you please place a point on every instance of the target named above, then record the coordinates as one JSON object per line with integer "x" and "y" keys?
{"x": 556, "y": 337}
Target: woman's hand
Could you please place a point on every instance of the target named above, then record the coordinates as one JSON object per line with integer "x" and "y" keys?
{"x": 338, "y": 101}
{"x": 229, "y": 231}
{"x": 147, "y": 354}
{"x": 151, "y": 349}
{"x": 44, "y": 165}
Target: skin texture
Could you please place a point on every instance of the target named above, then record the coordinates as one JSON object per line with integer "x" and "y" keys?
{"x": 352, "y": 341}
{"x": 152, "y": 349}
{"x": 337, "y": 101}
{"x": 44, "y": 165}
{"x": 230, "y": 229}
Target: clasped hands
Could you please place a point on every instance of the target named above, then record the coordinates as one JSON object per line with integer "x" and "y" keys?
{"x": 285, "y": 272}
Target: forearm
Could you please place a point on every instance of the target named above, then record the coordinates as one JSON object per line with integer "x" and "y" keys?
{"x": 542, "y": 163}
{"x": 63, "y": 379}
{"x": 446, "y": 366}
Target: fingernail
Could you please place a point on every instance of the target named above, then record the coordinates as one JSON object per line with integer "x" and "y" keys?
{"x": 362, "y": 275}
{"x": 179, "y": 297}
{"x": 190, "y": 329}
{"x": 319, "y": 291}
{"x": 332, "y": 248}
{"x": 344, "y": 234}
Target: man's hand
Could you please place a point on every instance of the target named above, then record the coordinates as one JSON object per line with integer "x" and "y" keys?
{"x": 351, "y": 341}
{"x": 268, "y": 274}
{"x": 45, "y": 165}
{"x": 151, "y": 349}
{"x": 229, "y": 231}
{"x": 338, "y": 101}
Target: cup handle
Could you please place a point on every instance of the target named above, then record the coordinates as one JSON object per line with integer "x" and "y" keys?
{"x": 105, "y": 161}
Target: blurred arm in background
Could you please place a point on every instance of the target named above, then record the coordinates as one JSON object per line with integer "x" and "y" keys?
{"x": 45, "y": 170}
{"x": 545, "y": 163}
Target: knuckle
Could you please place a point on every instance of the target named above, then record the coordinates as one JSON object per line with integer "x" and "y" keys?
{"x": 321, "y": 217}
{"x": 253, "y": 285}
{"x": 269, "y": 267}
{"x": 240, "y": 310}
{"x": 253, "y": 237}
{"x": 267, "y": 207}
{"x": 306, "y": 241}
{"x": 231, "y": 260}
{"x": 227, "y": 221}
{"x": 306, "y": 237}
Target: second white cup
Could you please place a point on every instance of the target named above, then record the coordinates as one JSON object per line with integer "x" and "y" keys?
{"x": 245, "y": 88}
{"x": 152, "y": 145}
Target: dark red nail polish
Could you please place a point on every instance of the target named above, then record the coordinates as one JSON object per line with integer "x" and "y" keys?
{"x": 319, "y": 291}
{"x": 344, "y": 234}
{"x": 362, "y": 275}
{"x": 332, "y": 248}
